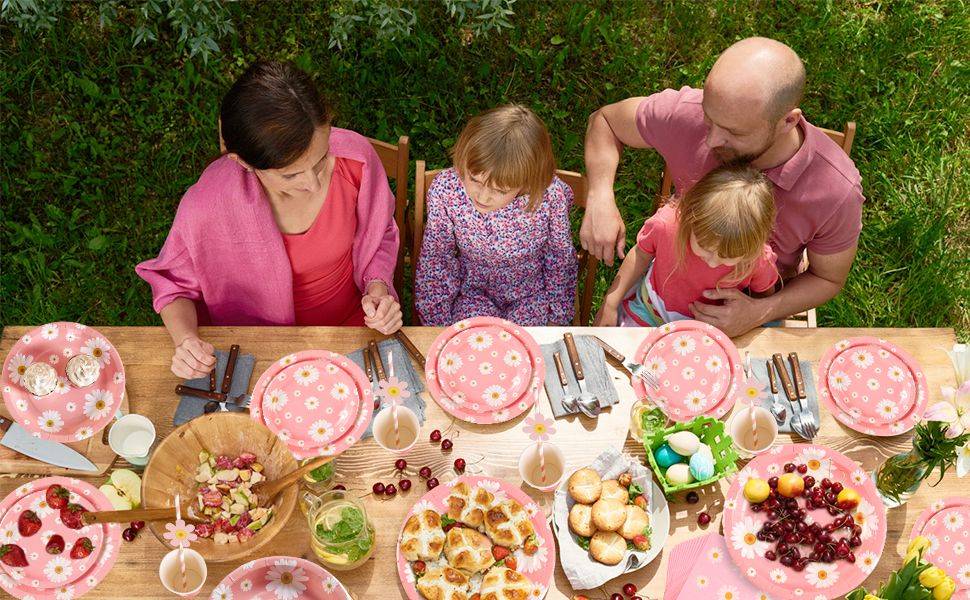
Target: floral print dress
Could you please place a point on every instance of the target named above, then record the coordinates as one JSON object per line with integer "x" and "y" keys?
{"x": 509, "y": 263}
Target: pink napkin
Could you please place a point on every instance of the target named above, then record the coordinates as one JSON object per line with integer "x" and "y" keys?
{"x": 682, "y": 558}
{"x": 711, "y": 574}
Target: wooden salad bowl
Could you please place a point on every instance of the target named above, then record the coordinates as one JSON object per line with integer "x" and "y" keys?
{"x": 173, "y": 464}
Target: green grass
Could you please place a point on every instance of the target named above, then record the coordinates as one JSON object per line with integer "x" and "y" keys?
{"x": 99, "y": 140}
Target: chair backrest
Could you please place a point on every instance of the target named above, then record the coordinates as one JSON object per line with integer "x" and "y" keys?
{"x": 587, "y": 263}
{"x": 395, "y": 159}
{"x": 843, "y": 138}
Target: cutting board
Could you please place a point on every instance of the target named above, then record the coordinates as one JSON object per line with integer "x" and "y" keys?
{"x": 93, "y": 449}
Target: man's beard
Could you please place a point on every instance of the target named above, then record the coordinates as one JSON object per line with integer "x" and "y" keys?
{"x": 731, "y": 157}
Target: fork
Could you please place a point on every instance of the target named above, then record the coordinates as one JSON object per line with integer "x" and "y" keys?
{"x": 796, "y": 368}
{"x": 636, "y": 369}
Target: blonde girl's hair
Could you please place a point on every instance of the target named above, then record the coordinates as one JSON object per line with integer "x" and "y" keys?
{"x": 510, "y": 146}
{"x": 730, "y": 211}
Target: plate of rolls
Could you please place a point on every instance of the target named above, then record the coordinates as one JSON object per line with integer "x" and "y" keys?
{"x": 611, "y": 518}
{"x": 475, "y": 536}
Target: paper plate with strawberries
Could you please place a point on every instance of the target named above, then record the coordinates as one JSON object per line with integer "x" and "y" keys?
{"x": 46, "y": 552}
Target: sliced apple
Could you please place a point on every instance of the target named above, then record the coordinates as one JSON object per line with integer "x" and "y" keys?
{"x": 118, "y": 501}
{"x": 128, "y": 484}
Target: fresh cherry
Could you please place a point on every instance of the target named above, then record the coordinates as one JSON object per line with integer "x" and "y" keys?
{"x": 425, "y": 472}
{"x": 436, "y": 436}
{"x": 703, "y": 519}
{"x": 432, "y": 483}
{"x": 390, "y": 490}
{"x": 616, "y": 596}
{"x": 802, "y": 469}
{"x": 629, "y": 589}
{"x": 405, "y": 484}
{"x": 137, "y": 525}
{"x": 378, "y": 488}
{"x": 129, "y": 534}
{"x": 692, "y": 498}
{"x": 790, "y": 468}
{"x": 400, "y": 464}
{"x": 340, "y": 486}
{"x": 446, "y": 444}
{"x": 460, "y": 465}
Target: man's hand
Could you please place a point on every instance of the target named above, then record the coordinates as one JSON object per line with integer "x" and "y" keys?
{"x": 603, "y": 231}
{"x": 381, "y": 311}
{"x": 737, "y": 315}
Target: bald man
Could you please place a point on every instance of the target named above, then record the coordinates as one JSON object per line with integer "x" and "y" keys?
{"x": 747, "y": 112}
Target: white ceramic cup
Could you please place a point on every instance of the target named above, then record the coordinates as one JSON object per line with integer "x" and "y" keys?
{"x": 131, "y": 437}
{"x": 409, "y": 427}
{"x": 195, "y": 569}
{"x": 531, "y": 472}
{"x": 743, "y": 435}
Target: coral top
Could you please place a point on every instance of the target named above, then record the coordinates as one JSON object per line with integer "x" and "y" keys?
{"x": 324, "y": 292}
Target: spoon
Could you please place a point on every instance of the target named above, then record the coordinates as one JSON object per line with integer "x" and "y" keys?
{"x": 136, "y": 514}
{"x": 267, "y": 490}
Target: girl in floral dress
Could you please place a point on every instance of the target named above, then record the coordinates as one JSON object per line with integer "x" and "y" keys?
{"x": 498, "y": 240}
{"x": 716, "y": 236}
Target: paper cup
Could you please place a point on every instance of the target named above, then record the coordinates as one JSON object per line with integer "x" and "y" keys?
{"x": 741, "y": 432}
{"x": 408, "y": 429}
{"x": 196, "y": 572}
{"x": 531, "y": 471}
{"x": 131, "y": 437}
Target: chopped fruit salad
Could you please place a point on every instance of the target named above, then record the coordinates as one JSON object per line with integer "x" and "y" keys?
{"x": 225, "y": 498}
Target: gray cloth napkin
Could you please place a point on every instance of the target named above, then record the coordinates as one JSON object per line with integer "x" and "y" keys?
{"x": 403, "y": 370}
{"x": 593, "y": 359}
{"x": 810, "y": 403}
{"x": 190, "y": 407}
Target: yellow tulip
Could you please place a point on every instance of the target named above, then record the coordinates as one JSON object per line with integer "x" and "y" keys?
{"x": 871, "y": 597}
{"x": 932, "y": 577}
{"x": 945, "y": 589}
{"x": 911, "y": 556}
{"x": 919, "y": 544}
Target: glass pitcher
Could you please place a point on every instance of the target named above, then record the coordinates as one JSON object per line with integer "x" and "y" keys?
{"x": 341, "y": 534}
{"x": 316, "y": 482}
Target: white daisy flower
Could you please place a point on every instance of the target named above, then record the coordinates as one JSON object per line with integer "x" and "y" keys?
{"x": 119, "y": 378}
{"x": 58, "y": 569}
{"x": 862, "y": 358}
{"x": 67, "y": 352}
{"x": 684, "y": 345}
{"x": 821, "y": 575}
{"x": 744, "y": 538}
{"x": 701, "y": 581}
{"x": 62, "y": 386}
{"x": 50, "y": 421}
{"x": 98, "y": 404}
{"x": 9, "y": 534}
{"x": 306, "y": 374}
{"x": 534, "y": 563}
{"x": 887, "y": 410}
{"x": 40, "y": 507}
{"x": 311, "y": 403}
{"x": 714, "y": 364}
{"x": 21, "y": 404}
{"x": 839, "y": 380}
{"x": 64, "y": 593}
{"x": 896, "y": 373}
{"x": 866, "y": 517}
{"x": 494, "y": 395}
{"x": 688, "y": 373}
{"x": 83, "y": 433}
{"x": 485, "y": 368}
{"x": 287, "y": 360}
{"x": 285, "y": 580}
{"x": 321, "y": 431}
{"x": 26, "y": 339}
{"x": 512, "y": 358}
{"x": 842, "y": 344}
{"x": 778, "y": 576}
{"x": 959, "y": 548}
{"x": 867, "y": 561}
{"x": 715, "y": 555}
{"x": 17, "y": 365}
{"x": 480, "y": 341}
{"x": 816, "y": 460}
{"x": 70, "y": 336}
{"x": 727, "y": 592}
{"x": 450, "y": 363}
{"x": 50, "y": 331}
{"x": 330, "y": 585}
{"x": 99, "y": 348}
{"x": 953, "y": 521}
{"x": 872, "y": 383}
{"x": 656, "y": 365}
{"x": 275, "y": 400}
{"x": 245, "y": 585}
{"x": 963, "y": 574}
{"x": 223, "y": 592}
{"x": 695, "y": 401}
{"x": 340, "y": 391}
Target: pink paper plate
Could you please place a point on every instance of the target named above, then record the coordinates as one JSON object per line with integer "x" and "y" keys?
{"x": 872, "y": 386}
{"x": 50, "y": 576}
{"x": 818, "y": 580}
{"x": 316, "y": 401}
{"x": 484, "y": 370}
{"x": 946, "y": 523}
{"x": 280, "y": 578}
{"x": 538, "y": 568}
{"x": 68, "y": 414}
{"x": 698, "y": 366}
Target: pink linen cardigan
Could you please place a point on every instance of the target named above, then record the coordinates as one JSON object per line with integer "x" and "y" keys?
{"x": 225, "y": 251}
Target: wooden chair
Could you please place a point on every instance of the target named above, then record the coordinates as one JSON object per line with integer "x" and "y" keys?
{"x": 395, "y": 159}
{"x": 588, "y": 264}
{"x": 844, "y": 139}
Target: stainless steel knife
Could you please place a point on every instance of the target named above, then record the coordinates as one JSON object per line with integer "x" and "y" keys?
{"x": 54, "y": 453}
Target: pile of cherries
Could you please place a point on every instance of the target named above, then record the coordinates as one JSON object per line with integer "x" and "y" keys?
{"x": 787, "y": 528}
{"x": 400, "y": 465}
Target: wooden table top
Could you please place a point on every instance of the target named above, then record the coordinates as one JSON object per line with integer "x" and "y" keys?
{"x": 493, "y": 449}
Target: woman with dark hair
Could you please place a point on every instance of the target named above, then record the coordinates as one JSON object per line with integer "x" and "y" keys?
{"x": 293, "y": 225}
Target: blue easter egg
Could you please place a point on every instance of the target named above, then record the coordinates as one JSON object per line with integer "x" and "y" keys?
{"x": 665, "y": 456}
{"x": 702, "y": 466}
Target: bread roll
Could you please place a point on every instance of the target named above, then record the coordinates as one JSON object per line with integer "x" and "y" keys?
{"x": 443, "y": 584}
{"x": 581, "y": 520}
{"x": 468, "y": 550}
{"x": 423, "y": 538}
{"x": 607, "y": 547}
{"x": 608, "y": 515}
{"x": 585, "y": 485}
{"x": 612, "y": 490}
{"x": 501, "y": 583}
{"x": 636, "y": 520}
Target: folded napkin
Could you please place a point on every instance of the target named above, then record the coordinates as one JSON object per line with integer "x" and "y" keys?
{"x": 714, "y": 575}
{"x": 191, "y": 407}
{"x": 681, "y": 559}
{"x": 582, "y": 571}
{"x": 598, "y": 380}
{"x": 403, "y": 370}
{"x": 759, "y": 370}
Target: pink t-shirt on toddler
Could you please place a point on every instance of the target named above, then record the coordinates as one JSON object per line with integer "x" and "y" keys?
{"x": 672, "y": 287}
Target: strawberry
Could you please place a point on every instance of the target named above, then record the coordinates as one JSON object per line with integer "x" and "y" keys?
{"x": 57, "y": 496}
{"x": 55, "y": 545}
{"x": 419, "y": 567}
{"x": 641, "y": 502}
{"x": 12, "y": 555}
{"x": 641, "y": 542}
{"x": 510, "y": 562}
{"x": 82, "y": 548}
{"x": 71, "y": 516}
{"x": 499, "y": 552}
{"x": 28, "y": 523}
{"x": 530, "y": 547}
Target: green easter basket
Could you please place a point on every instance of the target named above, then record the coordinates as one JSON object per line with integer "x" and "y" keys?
{"x": 711, "y": 432}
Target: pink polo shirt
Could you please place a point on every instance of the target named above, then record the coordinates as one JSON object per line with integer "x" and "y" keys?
{"x": 818, "y": 191}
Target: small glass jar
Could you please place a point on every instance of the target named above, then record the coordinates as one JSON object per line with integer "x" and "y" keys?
{"x": 341, "y": 534}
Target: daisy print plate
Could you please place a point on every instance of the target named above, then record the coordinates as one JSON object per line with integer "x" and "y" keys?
{"x": 316, "y": 401}
{"x": 698, "y": 368}
{"x": 743, "y": 524}
{"x": 872, "y": 386}
{"x": 53, "y": 576}
{"x": 484, "y": 370}
{"x": 280, "y": 578}
{"x": 69, "y": 413}
{"x": 533, "y": 572}
{"x": 946, "y": 524}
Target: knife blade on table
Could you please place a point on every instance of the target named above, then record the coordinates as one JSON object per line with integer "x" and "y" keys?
{"x": 54, "y": 453}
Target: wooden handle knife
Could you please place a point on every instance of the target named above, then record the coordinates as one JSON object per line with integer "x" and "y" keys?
{"x": 771, "y": 377}
{"x": 375, "y": 354}
{"x": 573, "y": 355}
{"x": 410, "y": 348}
{"x": 796, "y": 370}
{"x": 563, "y": 380}
{"x": 230, "y": 368}
{"x": 783, "y": 376}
